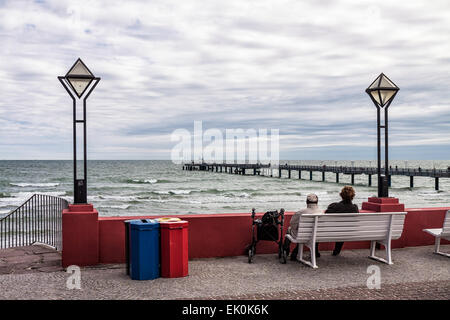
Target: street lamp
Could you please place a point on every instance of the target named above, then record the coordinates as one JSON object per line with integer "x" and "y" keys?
{"x": 77, "y": 81}
{"x": 382, "y": 91}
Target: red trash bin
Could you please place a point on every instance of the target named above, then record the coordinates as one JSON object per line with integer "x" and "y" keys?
{"x": 174, "y": 248}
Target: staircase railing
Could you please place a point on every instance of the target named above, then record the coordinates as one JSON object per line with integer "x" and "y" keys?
{"x": 37, "y": 220}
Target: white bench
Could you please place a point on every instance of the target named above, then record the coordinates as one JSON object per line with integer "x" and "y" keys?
{"x": 343, "y": 227}
{"x": 443, "y": 232}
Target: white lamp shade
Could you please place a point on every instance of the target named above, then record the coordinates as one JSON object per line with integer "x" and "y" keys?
{"x": 382, "y": 90}
{"x": 79, "y": 85}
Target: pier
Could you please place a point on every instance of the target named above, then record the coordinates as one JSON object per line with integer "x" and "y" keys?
{"x": 267, "y": 169}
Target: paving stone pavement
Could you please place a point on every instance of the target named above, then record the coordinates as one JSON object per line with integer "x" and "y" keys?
{"x": 433, "y": 290}
{"x": 35, "y": 258}
{"x": 417, "y": 273}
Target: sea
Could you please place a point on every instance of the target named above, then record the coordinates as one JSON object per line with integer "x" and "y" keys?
{"x": 160, "y": 187}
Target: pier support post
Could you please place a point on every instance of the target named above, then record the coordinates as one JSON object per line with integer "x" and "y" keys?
{"x": 289, "y": 174}
{"x": 310, "y": 175}
{"x": 389, "y": 180}
{"x": 323, "y": 175}
{"x": 353, "y": 178}
{"x": 337, "y": 177}
{"x": 411, "y": 181}
{"x": 299, "y": 174}
{"x": 279, "y": 173}
{"x": 243, "y": 171}
{"x": 370, "y": 180}
{"x": 436, "y": 183}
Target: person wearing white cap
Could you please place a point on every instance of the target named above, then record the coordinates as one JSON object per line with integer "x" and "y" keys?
{"x": 311, "y": 207}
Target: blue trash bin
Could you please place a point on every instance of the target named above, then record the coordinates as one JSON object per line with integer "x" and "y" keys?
{"x": 144, "y": 249}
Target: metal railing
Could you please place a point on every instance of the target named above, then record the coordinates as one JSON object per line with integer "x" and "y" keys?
{"x": 39, "y": 219}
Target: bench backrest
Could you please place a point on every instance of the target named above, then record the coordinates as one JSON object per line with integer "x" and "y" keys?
{"x": 350, "y": 226}
{"x": 446, "y": 225}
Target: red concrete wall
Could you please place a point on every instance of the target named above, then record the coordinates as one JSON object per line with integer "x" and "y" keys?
{"x": 221, "y": 235}
{"x": 419, "y": 219}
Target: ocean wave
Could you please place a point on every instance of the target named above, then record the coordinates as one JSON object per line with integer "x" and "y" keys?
{"x": 16, "y": 199}
{"x": 4, "y": 195}
{"x": 147, "y": 181}
{"x": 218, "y": 191}
{"x": 125, "y": 207}
{"x": 151, "y": 181}
{"x": 237, "y": 195}
{"x": 23, "y": 185}
{"x": 158, "y": 200}
{"x": 175, "y": 192}
{"x": 113, "y": 198}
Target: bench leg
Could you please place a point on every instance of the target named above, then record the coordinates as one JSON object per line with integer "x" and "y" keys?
{"x": 312, "y": 249}
{"x": 300, "y": 252}
{"x": 387, "y": 245}
{"x": 373, "y": 245}
{"x": 388, "y": 252}
{"x": 311, "y": 263}
{"x": 437, "y": 246}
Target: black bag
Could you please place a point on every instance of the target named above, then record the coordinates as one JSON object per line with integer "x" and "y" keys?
{"x": 268, "y": 229}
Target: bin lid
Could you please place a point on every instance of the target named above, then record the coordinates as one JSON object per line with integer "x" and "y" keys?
{"x": 144, "y": 224}
{"x": 168, "y": 219}
{"x": 174, "y": 224}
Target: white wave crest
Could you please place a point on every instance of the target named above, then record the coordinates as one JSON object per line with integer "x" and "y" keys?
{"x": 23, "y": 185}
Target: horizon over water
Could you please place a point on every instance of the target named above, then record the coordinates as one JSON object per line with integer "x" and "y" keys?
{"x": 160, "y": 187}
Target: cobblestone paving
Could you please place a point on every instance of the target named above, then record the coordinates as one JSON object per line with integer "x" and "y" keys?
{"x": 433, "y": 290}
{"x": 36, "y": 258}
{"x": 417, "y": 273}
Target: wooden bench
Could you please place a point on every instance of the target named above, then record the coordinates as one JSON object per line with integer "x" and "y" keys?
{"x": 443, "y": 232}
{"x": 344, "y": 227}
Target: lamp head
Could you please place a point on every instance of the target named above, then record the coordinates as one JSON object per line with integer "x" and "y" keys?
{"x": 382, "y": 91}
{"x": 79, "y": 77}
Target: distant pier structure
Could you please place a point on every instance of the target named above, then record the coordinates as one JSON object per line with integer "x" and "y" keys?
{"x": 267, "y": 169}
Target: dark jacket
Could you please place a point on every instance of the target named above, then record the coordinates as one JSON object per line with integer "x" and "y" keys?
{"x": 342, "y": 207}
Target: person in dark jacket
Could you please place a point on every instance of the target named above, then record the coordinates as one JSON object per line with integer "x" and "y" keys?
{"x": 345, "y": 206}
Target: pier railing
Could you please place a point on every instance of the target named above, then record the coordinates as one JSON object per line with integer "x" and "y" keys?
{"x": 260, "y": 168}
{"x": 445, "y": 173}
{"x": 37, "y": 220}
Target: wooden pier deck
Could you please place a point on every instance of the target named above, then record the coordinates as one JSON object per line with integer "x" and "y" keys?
{"x": 257, "y": 169}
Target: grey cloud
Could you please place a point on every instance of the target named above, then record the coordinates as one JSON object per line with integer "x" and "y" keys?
{"x": 301, "y": 67}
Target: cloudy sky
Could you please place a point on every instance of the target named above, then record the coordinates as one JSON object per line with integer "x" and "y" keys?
{"x": 297, "y": 66}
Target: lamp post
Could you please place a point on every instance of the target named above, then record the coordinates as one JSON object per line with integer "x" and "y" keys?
{"x": 382, "y": 91}
{"x": 77, "y": 82}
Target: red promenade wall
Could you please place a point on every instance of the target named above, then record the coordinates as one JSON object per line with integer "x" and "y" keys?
{"x": 221, "y": 235}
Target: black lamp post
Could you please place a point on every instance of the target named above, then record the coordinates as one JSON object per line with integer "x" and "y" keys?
{"x": 382, "y": 91}
{"x": 78, "y": 80}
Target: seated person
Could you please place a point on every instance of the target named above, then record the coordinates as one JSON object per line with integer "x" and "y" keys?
{"x": 345, "y": 206}
{"x": 311, "y": 207}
